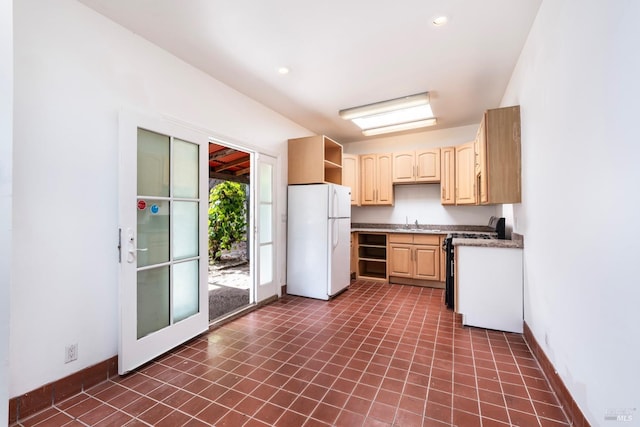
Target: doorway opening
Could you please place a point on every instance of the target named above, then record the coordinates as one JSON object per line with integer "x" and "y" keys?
{"x": 230, "y": 277}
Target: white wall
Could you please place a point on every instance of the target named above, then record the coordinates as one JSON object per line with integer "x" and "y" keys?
{"x": 578, "y": 84}
{"x": 74, "y": 70}
{"x": 420, "y": 201}
{"x": 6, "y": 144}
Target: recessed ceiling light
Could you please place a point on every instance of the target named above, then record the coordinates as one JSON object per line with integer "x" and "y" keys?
{"x": 439, "y": 21}
{"x": 283, "y": 70}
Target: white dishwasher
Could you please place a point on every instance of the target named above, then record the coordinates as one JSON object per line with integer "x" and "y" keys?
{"x": 489, "y": 287}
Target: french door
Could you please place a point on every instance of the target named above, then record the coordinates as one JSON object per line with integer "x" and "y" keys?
{"x": 163, "y": 202}
{"x": 265, "y": 231}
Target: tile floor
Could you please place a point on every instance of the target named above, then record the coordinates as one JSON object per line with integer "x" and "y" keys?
{"x": 377, "y": 355}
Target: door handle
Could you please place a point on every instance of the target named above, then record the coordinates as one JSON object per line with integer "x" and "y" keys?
{"x": 132, "y": 250}
{"x": 119, "y": 245}
{"x": 336, "y": 234}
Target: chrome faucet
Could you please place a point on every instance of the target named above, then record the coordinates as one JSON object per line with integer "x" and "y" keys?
{"x": 406, "y": 222}
{"x": 416, "y": 223}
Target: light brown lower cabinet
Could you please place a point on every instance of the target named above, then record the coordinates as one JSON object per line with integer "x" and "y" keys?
{"x": 443, "y": 260}
{"x": 354, "y": 254}
{"x": 414, "y": 256}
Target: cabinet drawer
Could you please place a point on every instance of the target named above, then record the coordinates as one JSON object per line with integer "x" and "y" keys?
{"x": 401, "y": 238}
{"x": 426, "y": 239}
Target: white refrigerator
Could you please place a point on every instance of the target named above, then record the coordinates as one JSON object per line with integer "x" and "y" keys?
{"x": 318, "y": 240}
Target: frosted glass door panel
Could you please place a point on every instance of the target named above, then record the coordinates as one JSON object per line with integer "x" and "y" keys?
{"x": 266, "y": 178}
{"x": 153, "y": 300}
{"x": 185, "y": 290}
{"x": 266, "y": 222}
{"x": 185, "y": 175}
{"x": 153, "y": 164}
{"x": 266, "y": 264}
{"x": 185, "y": 230}
{"x": 265, "y": 235}
{"x": 153, "y": 232}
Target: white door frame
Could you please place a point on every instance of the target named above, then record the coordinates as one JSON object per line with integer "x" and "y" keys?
{"x": 259, "y": 292}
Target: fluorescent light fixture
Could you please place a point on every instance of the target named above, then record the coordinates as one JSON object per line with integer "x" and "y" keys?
{"x": 409, "y": 112}
{"x": 400, "y": 127}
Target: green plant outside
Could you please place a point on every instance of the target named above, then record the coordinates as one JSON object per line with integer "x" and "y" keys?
{"x": 227, "y": 217}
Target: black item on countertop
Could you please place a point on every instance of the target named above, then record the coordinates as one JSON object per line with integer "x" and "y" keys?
{"x": 497, "y": 226}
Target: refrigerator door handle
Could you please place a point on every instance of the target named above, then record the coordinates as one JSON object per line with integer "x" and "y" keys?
{"x": 334, "y": 204}
{"x": 335, "y": 240}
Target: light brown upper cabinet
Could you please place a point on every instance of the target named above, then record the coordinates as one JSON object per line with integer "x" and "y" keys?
{"x": 447, "y": 175}
{"x": 465, "y": 174}
{"x": 315, "y": 160}
{"x": 351, "y": 176}
{"x": 498, "y": 156}
{"x": 376, "y": 187}
{"x": 416, "y": 166}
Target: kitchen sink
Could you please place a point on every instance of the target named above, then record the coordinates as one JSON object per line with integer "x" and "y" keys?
{"x": 417, "y": 230}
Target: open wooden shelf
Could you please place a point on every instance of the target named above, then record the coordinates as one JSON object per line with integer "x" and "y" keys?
{"x": 372, "y": 256}
{"x": 315, "y": 160}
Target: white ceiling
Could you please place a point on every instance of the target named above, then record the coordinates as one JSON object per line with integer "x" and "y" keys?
{"x": 342, "y": 53}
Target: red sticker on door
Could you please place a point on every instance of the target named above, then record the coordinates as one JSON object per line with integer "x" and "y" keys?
{"x": 142, "y": 205}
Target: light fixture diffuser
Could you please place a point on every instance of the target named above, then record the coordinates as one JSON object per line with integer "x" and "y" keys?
{"x": 409, "y": 112}
{"x": 400, "y": 127}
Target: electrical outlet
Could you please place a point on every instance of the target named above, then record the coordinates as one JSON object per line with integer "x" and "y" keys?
{"x": 70, "y": 353}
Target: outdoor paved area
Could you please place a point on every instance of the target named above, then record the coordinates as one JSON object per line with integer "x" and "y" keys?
{"x": 229, "y": 282}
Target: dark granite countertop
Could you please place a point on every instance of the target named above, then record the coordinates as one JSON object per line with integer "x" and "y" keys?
{"x": 420, "y": 229}
{"x": 517, "y": 242}
{"x": 489, "y": 243}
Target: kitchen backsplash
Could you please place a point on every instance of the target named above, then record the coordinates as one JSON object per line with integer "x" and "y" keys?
{"x": 421, "y": 202}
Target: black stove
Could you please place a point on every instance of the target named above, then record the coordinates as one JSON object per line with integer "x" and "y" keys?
{"x": 479, "y": 235}
{"x": 497, "y": 231}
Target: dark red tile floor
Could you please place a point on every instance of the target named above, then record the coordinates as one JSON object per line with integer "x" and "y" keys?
{"x": 377, "y": 355}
